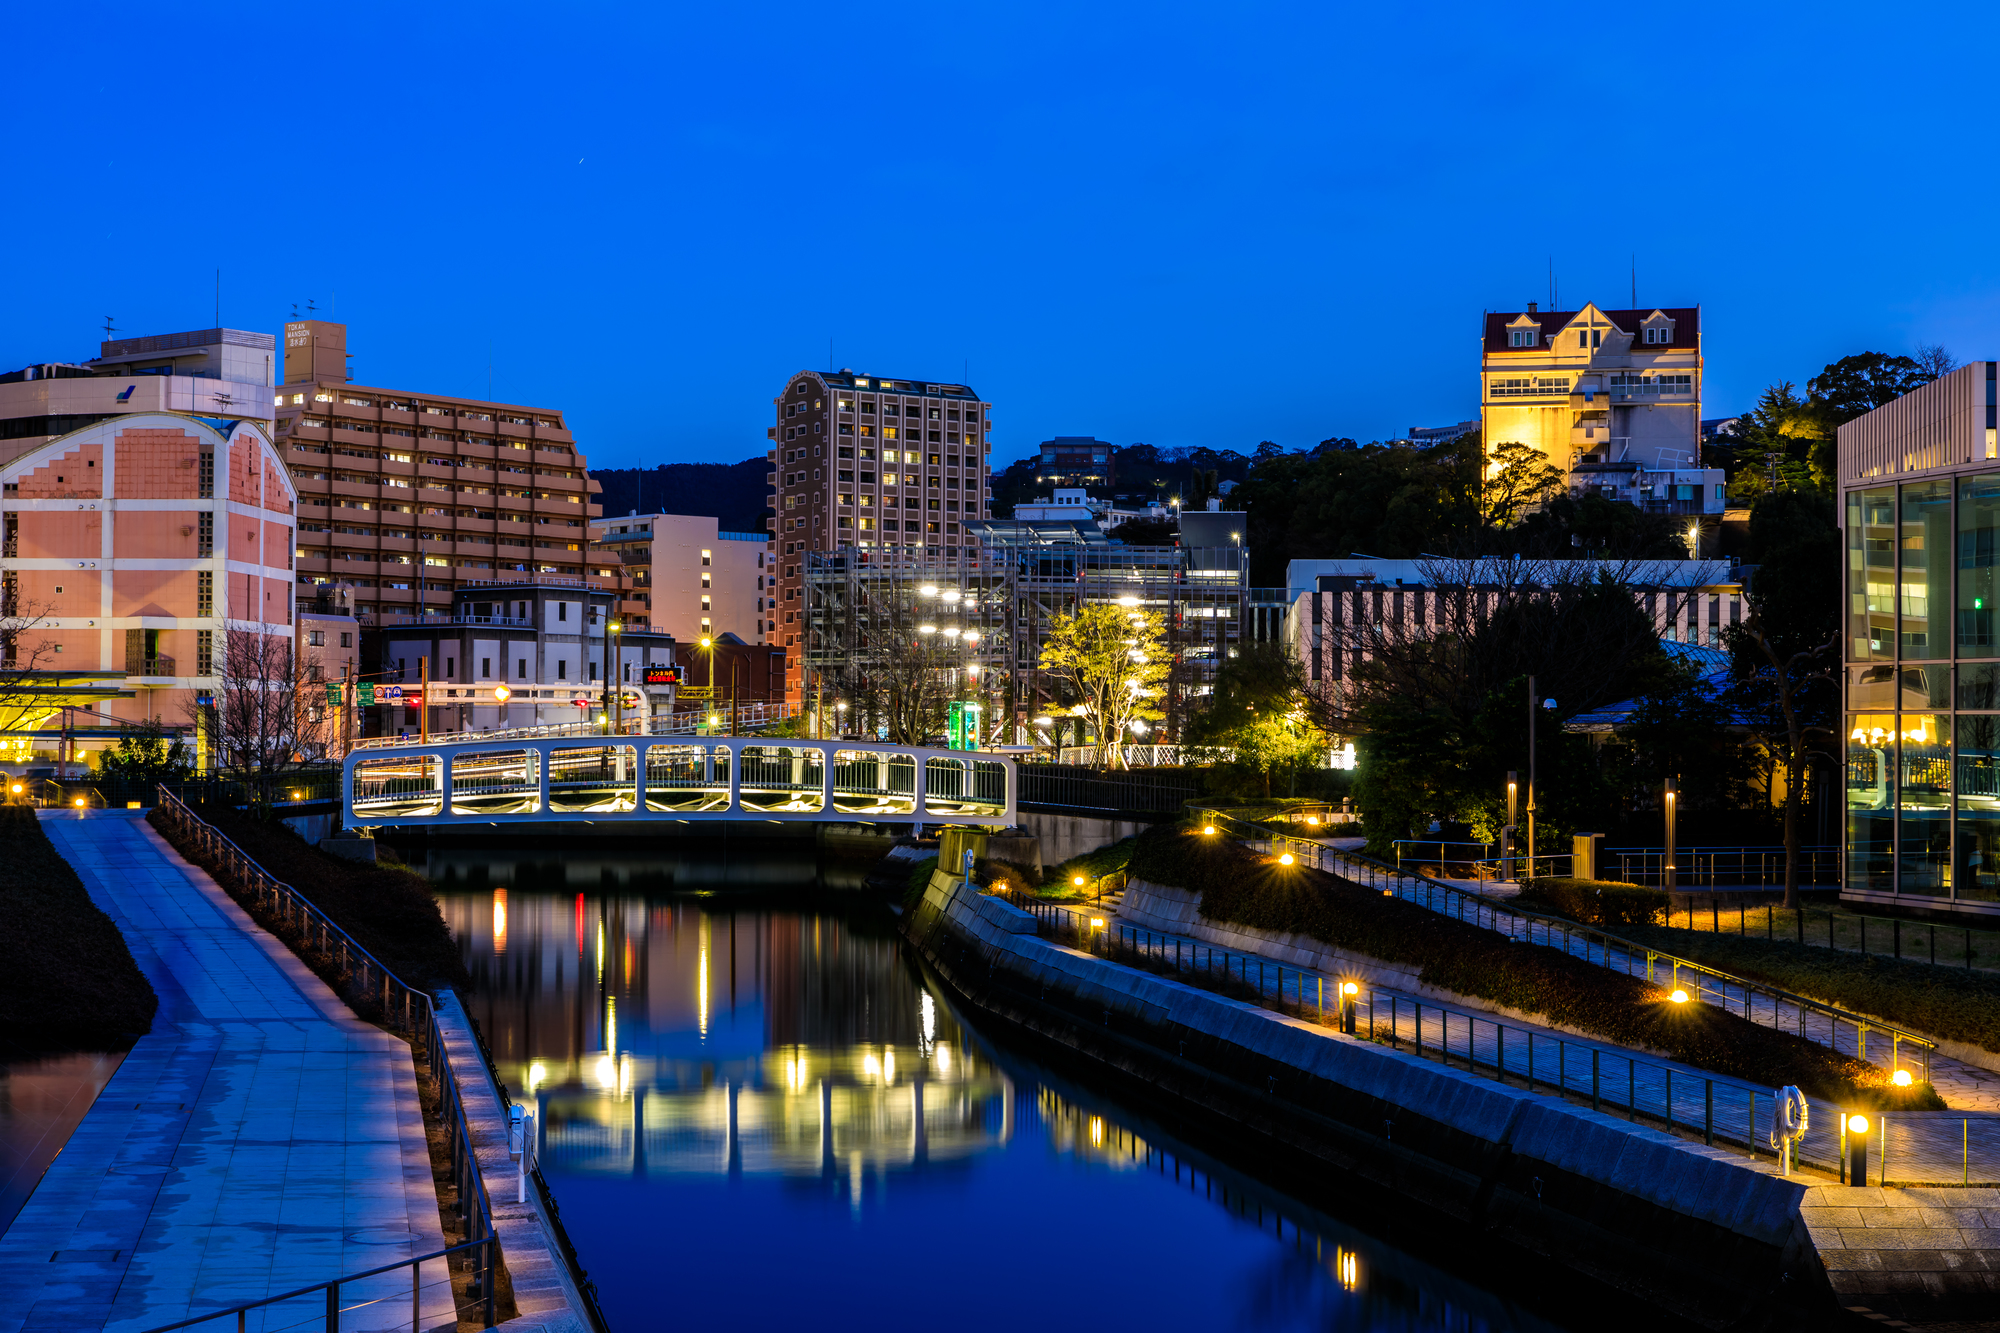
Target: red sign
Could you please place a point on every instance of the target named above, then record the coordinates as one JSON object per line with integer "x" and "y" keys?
{"x": 663, "y": 675}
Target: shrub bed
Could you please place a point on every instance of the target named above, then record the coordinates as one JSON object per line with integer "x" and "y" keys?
{"x": 67, "y": 979}
{"x": 920, "y": 878}
{"x": 1244, "y": 888}
{"x": 1605, "y": 903}
{"x": 388, "y": 910}
{"x": 1946, "y": 1002}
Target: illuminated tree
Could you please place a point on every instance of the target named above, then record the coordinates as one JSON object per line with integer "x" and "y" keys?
{"x": 1115, "y": 663}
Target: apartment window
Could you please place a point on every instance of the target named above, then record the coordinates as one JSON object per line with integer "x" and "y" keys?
{"x": 707, "y": 558}
{"x": 207, "y": 487}
{"x": 450, "y": 667}
{"x": 562, "y": 610}
{"x": 485, "y": 667}
{"x": 705, "y": 579}
{"x": 316, "y": 638}
{"x": 204, "y": 593}
{"x": 205, "y": 534}
{"x": 562, "y": 669}
{"x": 1523, "y": 337}
{"x": 520, "y": 668}
{"x": 204, "y": 652}
{"x": 347, "y": 638}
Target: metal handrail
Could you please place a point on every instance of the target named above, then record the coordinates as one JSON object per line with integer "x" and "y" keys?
{"x": 683, "y": 723}
{"x": 1656, "y": 1099}
{"x": 1495, "y": 907}
{"x": 332, "y": 1290}
{"x": 419, "y": 1020}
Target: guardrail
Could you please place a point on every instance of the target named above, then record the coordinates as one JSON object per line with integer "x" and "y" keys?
{"x": 1804, "y": 932}
{"x": 665, "y": 724}
{"x": 404, "y": 1007}
{"x": 1596, "y": 946}
{"x": 1931, "y": 1148}
{"x": 1145, "y": 791}
{"x": 1716, "y": 867}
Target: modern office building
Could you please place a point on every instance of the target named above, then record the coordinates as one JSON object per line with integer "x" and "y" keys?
{"x": 547, "y": 641}
{"x": 1077, "y": 461}
{"x": 1612, "y": 398}
{"x": 686, "y": 577}
{"x": 1340, "y": 608}
{"x": 146, "y": 514}
{"x": 1920, "y": 508}
{"x": 408, "y": 495}
{"x": 874, "y": 464}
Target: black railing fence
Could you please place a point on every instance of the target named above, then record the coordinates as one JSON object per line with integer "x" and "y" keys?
{"x": 1146, "y": 791}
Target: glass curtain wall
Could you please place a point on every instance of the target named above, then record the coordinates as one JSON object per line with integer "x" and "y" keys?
{"x": 1923, "y": 730}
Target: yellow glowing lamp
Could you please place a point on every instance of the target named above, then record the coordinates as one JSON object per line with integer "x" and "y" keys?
{"x": 1313, "y": 820}
{"x": 714, "y": 719}
{"x": 1286, "y": 859}
{"x": 707, "y": 642}
{"x": 1077, "y": 880}
{"x": 1901, "y": 1078}
{"x": 1349, "y": 988}
{"x": 17, "y": 789}
{"x": 501, "y": 694}
{"x": 1857, "y": 1124}
{"x": 616, "y": 628}
{"x": 1679, "y": 996}
{"x": 1208, "y": 830}
{"x": 79, "y": 803}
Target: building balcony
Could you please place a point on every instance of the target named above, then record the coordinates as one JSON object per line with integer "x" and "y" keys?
{"x": 150, "y": 669}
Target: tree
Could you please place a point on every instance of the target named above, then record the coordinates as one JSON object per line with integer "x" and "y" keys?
{"x": 146, "y": 753}
{"x": 1519, "y": 478}
{"x": 1784, "y": 654}
{"x": 898, "y": 670}
{"x": 1113, "y": 660}
{"x": 1933, "y": 360}
{"x": 1258, "y": 721}
{"x": 263, "y": 720}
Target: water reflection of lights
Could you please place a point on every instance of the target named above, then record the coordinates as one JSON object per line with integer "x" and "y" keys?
{"x": 607, "y": 1073}
{"x": 538, "y": 1074}
{"x": 1347, "y": 1267}
{"x": 499, "y": 921}
{"x": 944, "y": 1058}
{"x": 701, "y": 981}
{"x": 1097, "y": 1131}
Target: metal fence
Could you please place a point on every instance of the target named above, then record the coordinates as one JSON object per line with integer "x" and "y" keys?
{"x": 1960, "y": 947}
{"x": 1911, "y": 1148}
{"x": 1718, "y": 867}
{"x": 1757, "y": 1001}
{"x": 362, "y": 979}
{"x": 1163, "y": 791}
{"x": 290, "y": 787}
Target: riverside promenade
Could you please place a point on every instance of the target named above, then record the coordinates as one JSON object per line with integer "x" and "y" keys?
{"x": 259, "y": 1139}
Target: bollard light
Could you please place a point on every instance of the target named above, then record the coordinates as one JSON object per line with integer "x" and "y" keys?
{"x": 1077, "y": 880}
{"x": 79, "y": 803}
{"x": 1857, "y": 1150}
{"x": 1208, "y": 829}
{"x": 1348, "y": 990}
{"x": 1313, "y": 820}
{"x": 1857, "y": 1124}
{"x": 1286, "y": 859}
{"x": 1679, "y": 996}
{"x": 1901, "y": 1078}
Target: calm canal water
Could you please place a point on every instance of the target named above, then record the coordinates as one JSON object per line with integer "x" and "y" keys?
{"x": 758, "y": 1112}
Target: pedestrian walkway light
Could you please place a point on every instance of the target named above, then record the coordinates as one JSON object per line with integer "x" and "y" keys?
{"x": 1857, "y": 1149}
{"x": 1348, "y": 990}
{"x": 1679, "y": 996}
{"x": 1901, "y": 1078}
{"x": 1287, "y": 859}
{"x": 1208, "y": 830}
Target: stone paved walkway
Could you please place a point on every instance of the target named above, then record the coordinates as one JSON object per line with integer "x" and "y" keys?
{"x": 259, "y": 1139}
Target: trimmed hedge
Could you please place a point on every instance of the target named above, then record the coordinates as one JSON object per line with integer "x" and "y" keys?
{"x": 67, "y": 979}
{"x": 1244, "y": 888}
{"x": 1947, "y": 1002}
{"x": 388, "y": 910}
{"x": 920, "y": 878}
{"x": 1596, "y": 902}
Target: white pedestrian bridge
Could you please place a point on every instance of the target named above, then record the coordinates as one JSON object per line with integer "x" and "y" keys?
{"x": 570, "y": 777}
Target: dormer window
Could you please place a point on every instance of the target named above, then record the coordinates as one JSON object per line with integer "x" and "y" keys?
{"x": 1523, "y": 337}
{"x": 1659, "y": 335}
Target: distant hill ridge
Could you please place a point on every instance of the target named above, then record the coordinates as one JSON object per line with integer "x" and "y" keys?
{"x": 732, "y": 493}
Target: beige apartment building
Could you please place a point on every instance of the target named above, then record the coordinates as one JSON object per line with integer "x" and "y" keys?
{"x": 409, "y": 495}
{"x": 1617, "y": 389}
{"x": 686, "y": 577}
{"x": 894, "y": 466}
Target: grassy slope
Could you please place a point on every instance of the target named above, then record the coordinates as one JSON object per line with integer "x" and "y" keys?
{"x": 1237, "y": 885}
{"x": 67, "y": 979}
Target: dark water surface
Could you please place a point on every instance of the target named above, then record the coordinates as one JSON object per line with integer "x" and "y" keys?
{"x": 758, "y": 1114}
{"x": 42, "y": 1099}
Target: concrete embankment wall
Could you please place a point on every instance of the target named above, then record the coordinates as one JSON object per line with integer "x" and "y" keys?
{"x": 1690, "y": 1229}
{"x": 1064, "y": 836}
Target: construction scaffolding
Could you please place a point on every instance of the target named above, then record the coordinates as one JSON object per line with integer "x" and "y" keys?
{"x": 969, "y": 624}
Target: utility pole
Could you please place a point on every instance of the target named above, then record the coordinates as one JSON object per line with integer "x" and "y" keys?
{"x": 1531, "y": 777}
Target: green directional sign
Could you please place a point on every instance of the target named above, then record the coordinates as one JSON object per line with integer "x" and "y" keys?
{"x": 364, "y": 693}
{"x": 333, "y": 694}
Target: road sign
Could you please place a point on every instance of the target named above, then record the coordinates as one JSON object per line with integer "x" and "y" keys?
{"x": 333, "y": 694}
{"x": 663, "y": 675}
{"x": 364, "y": 693}
{"x": 390, "y": 694}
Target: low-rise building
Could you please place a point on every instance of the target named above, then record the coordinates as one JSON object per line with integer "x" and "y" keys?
{"x": 546, "y": 641}
{"x": 1919, "y": 486}
{"x": 687, "y": 577}
{"x": 328, "y": 645}
{"x": 1077, "y": 461}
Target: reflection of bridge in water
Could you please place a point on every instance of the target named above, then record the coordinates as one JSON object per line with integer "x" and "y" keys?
{"x": 637, "y": 778}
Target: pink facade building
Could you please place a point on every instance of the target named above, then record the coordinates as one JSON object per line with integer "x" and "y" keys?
{"x": 137, "y": 541}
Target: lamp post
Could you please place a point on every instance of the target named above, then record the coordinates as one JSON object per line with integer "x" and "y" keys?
{"x": 708, "y": 646}
{"x": 1548, "y": 704}
{"x": 614, "y": 674}
{"x": 1670, "y": 801}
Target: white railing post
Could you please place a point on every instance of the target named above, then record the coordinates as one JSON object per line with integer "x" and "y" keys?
{"x": 735, "y": 773}
{"x": 540, "y": 750}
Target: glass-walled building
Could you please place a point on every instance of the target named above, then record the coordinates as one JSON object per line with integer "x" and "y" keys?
{"x": 1920, "y": 510}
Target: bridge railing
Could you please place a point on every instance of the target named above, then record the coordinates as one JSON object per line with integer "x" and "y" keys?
{"x": 604, "y": 778}
{"x": 359, "y": 975}
{"x": 684, "y": 723}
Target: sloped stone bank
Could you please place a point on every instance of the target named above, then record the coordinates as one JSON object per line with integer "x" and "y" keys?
{"x": 1694, "y": 1231}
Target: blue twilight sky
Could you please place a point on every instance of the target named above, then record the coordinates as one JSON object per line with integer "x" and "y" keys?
{"x": 1187, "y": 225}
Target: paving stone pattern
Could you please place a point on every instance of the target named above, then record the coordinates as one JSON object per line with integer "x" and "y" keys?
{"x": 260, "y": 1139}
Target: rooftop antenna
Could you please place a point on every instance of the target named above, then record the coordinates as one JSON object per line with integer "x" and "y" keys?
{"x": 108, "y": 330}
{"x": 1635, "y": 279}
{"x": 311, "y": 309}
{"x": 218, "y": 298}
{"x": 295, "y": 310}
{"x": 1552, "y": 282}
